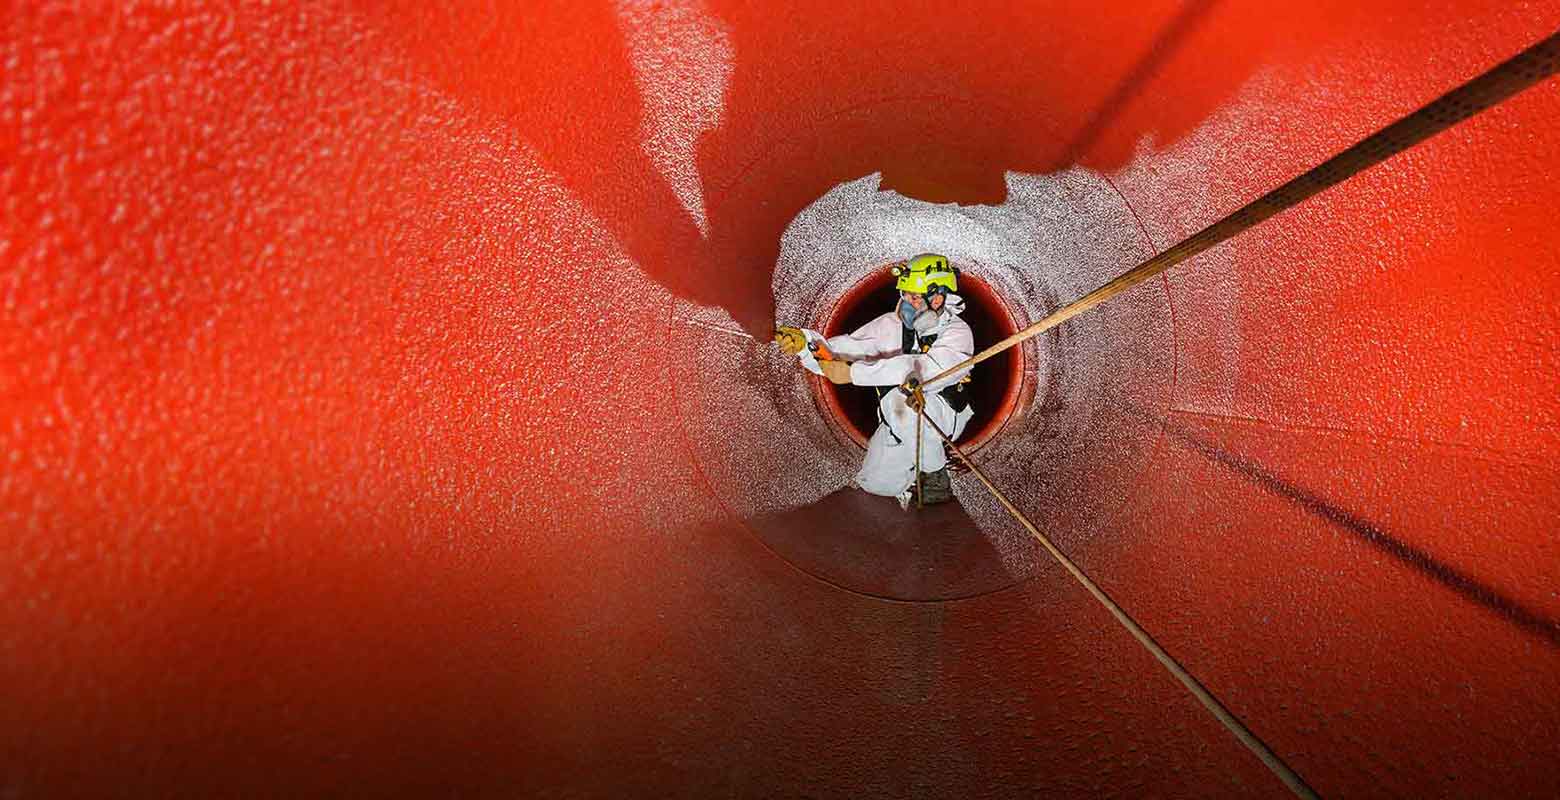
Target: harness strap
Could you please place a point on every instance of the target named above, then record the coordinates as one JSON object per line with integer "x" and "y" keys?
{"x": 912, "y": 342}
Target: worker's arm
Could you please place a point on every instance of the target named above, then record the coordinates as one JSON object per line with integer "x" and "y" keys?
{"x": 835, "y": 371}
{"x": 885, "y": 371}
{"x": 953, "y": 345}
{"x": 811, "y": 349}
{"x": 876, "y": 339}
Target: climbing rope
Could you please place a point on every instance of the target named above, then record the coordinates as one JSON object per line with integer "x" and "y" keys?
{"x": 1506, "y": 79}
{"x": 1286, "y": 774}
{"x": 919, "y": 400}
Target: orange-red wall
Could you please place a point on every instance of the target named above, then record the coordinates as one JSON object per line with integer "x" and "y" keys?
{"x": 352, "y": 445}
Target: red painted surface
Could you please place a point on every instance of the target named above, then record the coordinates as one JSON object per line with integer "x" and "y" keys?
{"x": 351, "y": 447}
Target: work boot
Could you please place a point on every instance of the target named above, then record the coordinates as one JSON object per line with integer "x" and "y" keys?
{"x": 936, "y": 487}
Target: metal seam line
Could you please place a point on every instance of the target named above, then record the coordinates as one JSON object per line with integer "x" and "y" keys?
{"x": 1523, "y": 70}
{"x": 1258, "y": 748}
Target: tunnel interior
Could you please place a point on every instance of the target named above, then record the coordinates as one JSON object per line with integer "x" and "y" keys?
{"x": 388, "y": 402}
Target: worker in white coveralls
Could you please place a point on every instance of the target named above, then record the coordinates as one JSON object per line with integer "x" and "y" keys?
{"x": 921, "y": 338}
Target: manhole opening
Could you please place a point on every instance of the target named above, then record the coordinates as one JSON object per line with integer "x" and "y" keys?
{"x": 997, "y": 381}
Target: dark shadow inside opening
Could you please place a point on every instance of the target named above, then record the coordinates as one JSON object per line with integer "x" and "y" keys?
{"x": 993, "y": 395}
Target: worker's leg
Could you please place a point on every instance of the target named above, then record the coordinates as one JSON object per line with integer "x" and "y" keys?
{"x": 933, "y": 456}
{"x": 936, "y": 485}
{"x": 889, "y": 467}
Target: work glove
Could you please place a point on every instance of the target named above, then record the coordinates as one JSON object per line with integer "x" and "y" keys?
{"x": 837, "y": 371}
{"x": 791, "y": 340}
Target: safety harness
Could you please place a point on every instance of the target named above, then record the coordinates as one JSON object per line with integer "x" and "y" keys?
{"x": 954, "y": 396}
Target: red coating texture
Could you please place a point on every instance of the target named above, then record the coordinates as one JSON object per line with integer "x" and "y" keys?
{"x": 352, "y": 444}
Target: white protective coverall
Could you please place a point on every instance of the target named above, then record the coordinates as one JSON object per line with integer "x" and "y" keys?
{"x": 878, "y": 359}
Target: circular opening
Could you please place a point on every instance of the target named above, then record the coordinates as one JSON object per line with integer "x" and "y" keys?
{"x": 997, "y": 381}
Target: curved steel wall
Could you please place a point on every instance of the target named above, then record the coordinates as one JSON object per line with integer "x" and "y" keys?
{"x": 356, "y": 440}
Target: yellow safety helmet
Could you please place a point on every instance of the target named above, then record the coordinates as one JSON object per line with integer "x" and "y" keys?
{"x": 925, "y": 274}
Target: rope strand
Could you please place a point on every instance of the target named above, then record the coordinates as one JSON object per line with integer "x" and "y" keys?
{"x": 1527, "y": 68}
{"x": 1504, "y": 80}
{"x": 1275, "y": 764}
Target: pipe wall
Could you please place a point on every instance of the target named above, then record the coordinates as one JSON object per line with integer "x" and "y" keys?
{"x": 366, "y": 428}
